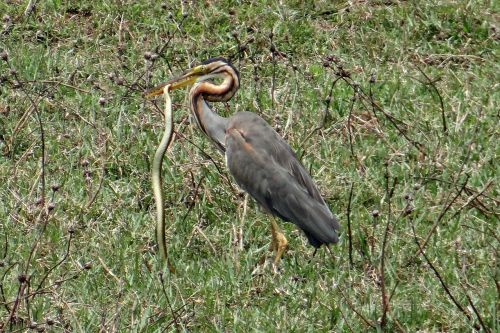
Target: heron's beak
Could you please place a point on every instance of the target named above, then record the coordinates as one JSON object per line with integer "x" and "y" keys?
{"x": 186, "y": 79}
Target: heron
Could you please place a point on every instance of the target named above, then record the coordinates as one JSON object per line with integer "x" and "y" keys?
{"x": 261, "y": 162}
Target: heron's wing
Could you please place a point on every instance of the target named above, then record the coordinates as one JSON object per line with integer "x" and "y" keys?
{"x": 285, "y": 156}
{"x": 275, "y": 187}
{"x": 266, "y": 141}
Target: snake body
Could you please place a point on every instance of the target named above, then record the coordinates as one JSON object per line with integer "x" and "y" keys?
{"x": 156, "y": 179}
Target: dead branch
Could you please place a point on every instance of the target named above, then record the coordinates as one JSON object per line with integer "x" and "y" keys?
{"x": 433, "y": 85}
{"x": 349, "y": 225}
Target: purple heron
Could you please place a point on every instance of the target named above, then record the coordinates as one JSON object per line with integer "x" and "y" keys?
{"x": 259, "y": 159}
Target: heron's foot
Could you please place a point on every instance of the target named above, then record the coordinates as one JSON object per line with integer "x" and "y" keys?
{"x": 279, "y": 245}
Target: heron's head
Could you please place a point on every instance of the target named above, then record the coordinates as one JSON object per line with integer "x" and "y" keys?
{"x": 209, "y": 70}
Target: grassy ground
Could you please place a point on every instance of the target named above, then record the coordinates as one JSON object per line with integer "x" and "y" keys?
{"x": 391, "y": 105}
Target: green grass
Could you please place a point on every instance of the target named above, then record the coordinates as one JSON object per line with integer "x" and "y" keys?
{"x": 91, "y": 261}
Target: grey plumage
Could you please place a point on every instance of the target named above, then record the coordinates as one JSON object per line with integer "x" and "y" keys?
{"x": 265, "y": 166}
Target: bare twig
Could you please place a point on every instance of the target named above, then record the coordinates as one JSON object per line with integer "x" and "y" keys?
{"x": 43, "y": 158}
{"x": 441, "y": 281}
{"x": 99, "y": 187}
{"x": 345, "y": 76}
{"x": 101, "y": 181}
{"x": 22, "y": 285}
{"x": 349, "y": 304}
{"x": 389, "y": 194}
{"x": 448, "y": 206}
{"x": 6, "y": 245}
{"x": 492, "y": 233}
{"x": 273, "y": 80}
{"x": 57, "y": 83}
{"x": 370, "y": 95}
{"x": 349, "y": 225}
{"x": 207, "y": 156}
{"x": 349, "y": 121}
{"x": 46, "y": 289}
{"x": 238, "y": 48}
{"x": 178, "y": 313}
{"x": 326, "y": 114}
{"x": 389, "y": 117}
{"x": 467, "y": 189}
{"x": 195, "y": 196}
{"x": 478, "y": 194}
{"x": 42, "y": 134}
{"x": 440, "y": 217}
{"x": 1, "y": 285}
{"x": 345, "y": 319}
{"x": 398, "y": 325}
{"x": 485, "y": 328}
{"x": 174, "y": 316}
{"x": 256, "y": 83}
{"x": 57, "y": 264}
{"x": 150, "y": 67}
{"x": 433, "y": 85}
{"x": 326, "y": 111}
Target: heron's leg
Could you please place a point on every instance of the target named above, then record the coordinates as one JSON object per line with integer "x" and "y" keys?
{"x": 279, "y": 242}
{"x": 330, "y": 252}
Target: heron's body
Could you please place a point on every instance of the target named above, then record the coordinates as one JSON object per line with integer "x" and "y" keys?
{"x": 264, "y": 165}
{"x": 261, "y": 162}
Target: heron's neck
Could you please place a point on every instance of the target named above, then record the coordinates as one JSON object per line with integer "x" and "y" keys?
{"x": 213, "y": 125}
